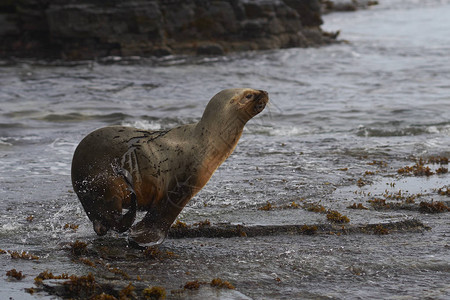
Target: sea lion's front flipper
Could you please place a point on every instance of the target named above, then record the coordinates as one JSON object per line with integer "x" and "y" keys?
{"x": 124, "y": 222}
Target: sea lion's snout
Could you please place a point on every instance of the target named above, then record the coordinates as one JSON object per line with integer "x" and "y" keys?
{"x": 260, "y": 101}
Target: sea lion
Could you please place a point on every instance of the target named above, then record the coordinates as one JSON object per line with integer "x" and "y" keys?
{"x": 118, "y": 167}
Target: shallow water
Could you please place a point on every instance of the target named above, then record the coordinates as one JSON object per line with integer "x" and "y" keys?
{"x": 384, "y": 97}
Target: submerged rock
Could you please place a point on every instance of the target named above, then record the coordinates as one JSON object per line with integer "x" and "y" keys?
{"x": 82, "y": 29}
{"x": 227, "y": 231}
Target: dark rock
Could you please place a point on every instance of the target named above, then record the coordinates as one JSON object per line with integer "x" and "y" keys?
{"x": 82, "y": 29}
{"x": 210, "y": 49}
{"x": 228, "y": 231}
{"x": 309, "y": 11}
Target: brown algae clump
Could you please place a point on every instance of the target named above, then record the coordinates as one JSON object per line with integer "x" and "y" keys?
{"x": 87, "y": 262}
{"x": 267, "y": 207}
{"x": 179, "y": 224}
{"x": 443, "y": 191}
{"x": 192, "y": 285}
{"x": 315, "y": 208}
{"x": 309, "y": 230}
{"x": 357, "y": 206}
{"x": 294, "y": 205}
{"x": 49, "y": 275}
{"x": 217, "y": 282}
{"x": 23, "y": 255}
{"x": 154, "y": 293}
{"x": 380, "y": 230}
{"x": 74, "y": 227}
{"x": 78, "y": 247}
{"x": 360, "y": 182}
{"x": 419, "y": 169}
{"x": 15, "y": 274}
{"x": 103, "y": 296}
{"x": 442, "y": 170}
{"x": 154, "y": 253}
{"x": 118, "y": 272}
{"x": 378, "y": 163}
{"x": 127, "y": 292}
{"x": 378, "y": 203}
{"x": 438, "y": 160}
{"x": 241, "y": 230}
{"x": 82, "y": 285}
{"x": 433, "y": 207}
{"x": 336, "y": 217}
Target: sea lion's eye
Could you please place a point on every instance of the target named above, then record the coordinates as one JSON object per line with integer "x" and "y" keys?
{"x": 249, "y": 96}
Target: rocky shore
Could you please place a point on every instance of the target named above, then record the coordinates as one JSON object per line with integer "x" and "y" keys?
{"x": 83, "y": 29}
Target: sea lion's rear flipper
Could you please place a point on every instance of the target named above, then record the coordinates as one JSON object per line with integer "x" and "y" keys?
{"x": 150, "y": 231}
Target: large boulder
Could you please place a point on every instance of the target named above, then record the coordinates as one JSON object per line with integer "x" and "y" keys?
{"x": 82, "y": 29}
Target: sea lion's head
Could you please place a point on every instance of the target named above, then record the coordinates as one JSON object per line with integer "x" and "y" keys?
{"x": 250, "y": 102}
{"x": 236, "y": 104}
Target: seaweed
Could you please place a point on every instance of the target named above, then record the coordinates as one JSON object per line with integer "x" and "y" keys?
{"x": 119, "y": 272}
{"x": 219, "y": 283}
{"x": 127, "y": 292}
{"x": 74, "y": 227}
{"x": 153, "y": 252}
{"x": 357, "y": 206}
{"x": 443, "y": 191}
{"x": 15, "y": 274}
{"x": 336, "y": 217}
{"x": 438, "y": 160}
{"x": 22, "y": 255}
{"x": 154, "y": 293}
{"x": 433, "y": 207}
{"x": 192, "y": 285}
{"x": 308, "y": 230}
{"x": 441, "y": 170}
{"x": 179, "y": 224}
{"x": 378, "y": 163}
{"x": 103, "y": 296}
{"x": 82, "y": 286}
{"x": 419, "y": 169}
{"x": 240, "y": 230}
{"x": 378, "y": 203}
{"x": 360, "y": 182}
{"x": 267, "y": 207}
{"x": 87, "y": 262}
{"x": 314, "y": 207}
{"x": 49, "y": 275}
{"x": 292, "y": 205}
{"x": 380, "y": 230}
{"x": 78, "y": 247}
